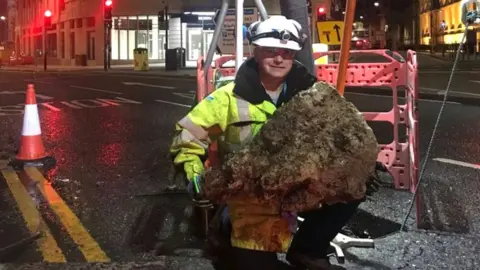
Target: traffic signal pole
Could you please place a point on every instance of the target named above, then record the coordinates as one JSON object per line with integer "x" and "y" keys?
{"x": 105, "y": 47}
{"x": 297, "y": 10}
{"x": 47, "y": 23}
{"x": 107, "y": 24}
{"x": 44, "y": 48}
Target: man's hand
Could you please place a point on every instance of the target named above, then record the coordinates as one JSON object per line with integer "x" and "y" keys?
{"x": 193, "y": 168}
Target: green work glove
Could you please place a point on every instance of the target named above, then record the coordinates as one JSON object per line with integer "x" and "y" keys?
{"x": 194, "y": 171}
{"x": 193, "y": 168}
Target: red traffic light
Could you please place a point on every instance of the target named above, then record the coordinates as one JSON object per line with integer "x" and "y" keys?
{"x": 108, "y": 3}
{"x": 321, "y": 10}
{"x": 48, "y": 13}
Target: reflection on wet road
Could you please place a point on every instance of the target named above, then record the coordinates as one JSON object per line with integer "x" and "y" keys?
{"x": 110, "y": 136}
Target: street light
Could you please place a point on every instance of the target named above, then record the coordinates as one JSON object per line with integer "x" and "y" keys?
{"x": 4, "y": 19}
{"x": 376, "y": 4}
{"x": 47, "y": 24}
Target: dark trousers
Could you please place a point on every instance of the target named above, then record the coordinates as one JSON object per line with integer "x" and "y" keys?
{"x": 320, "y": 227}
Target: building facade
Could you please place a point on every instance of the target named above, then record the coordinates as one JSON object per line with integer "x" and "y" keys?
{"x": 440, "y": 23}
{"x": 78, "y": 28}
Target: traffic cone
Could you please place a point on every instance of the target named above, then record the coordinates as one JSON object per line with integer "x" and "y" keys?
{"x": 31, "y": 146}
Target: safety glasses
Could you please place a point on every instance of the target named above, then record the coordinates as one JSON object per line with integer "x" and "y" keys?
{"x": 272, "y": 52}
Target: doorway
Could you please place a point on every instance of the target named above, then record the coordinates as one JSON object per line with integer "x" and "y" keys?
{"x": 91, "y": 45}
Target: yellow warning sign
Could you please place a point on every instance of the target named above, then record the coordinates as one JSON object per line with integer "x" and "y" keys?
{"x": 330, "y": 32}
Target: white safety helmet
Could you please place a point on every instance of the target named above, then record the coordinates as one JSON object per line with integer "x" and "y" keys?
{"x": 277, "y": 32}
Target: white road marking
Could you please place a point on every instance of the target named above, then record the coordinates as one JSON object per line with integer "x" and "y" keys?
{"x": 189, "y": 96}
{"x": 59, "y": 106}
{"x": 442, "y": 91}
{"x": 475, "y": 81}
{"x": 459, "y": 163}
{"x": 94, "y": 89}
{"x": 382, "y": 96}
{"x": 149, "y": 85}
{"x": 173, "y": 103}
{"x": 159, "y": 77}
{"x": 40, "y": 96}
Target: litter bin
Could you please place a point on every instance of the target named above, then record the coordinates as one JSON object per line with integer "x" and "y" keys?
{"x": 171, "y": 60}
{"x": 140, "y": 59}
{"x": 175, "y": 59}
{"x": 181, "y": 57}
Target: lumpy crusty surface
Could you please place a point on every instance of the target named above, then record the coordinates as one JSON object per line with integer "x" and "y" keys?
{"x": 316, "y": 149}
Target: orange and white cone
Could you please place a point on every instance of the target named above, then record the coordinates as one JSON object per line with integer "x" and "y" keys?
{"x": 31, "y": 146}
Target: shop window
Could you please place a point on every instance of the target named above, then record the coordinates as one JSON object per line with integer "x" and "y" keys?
{"x": 153, "y": 51}
{"x": 114, "y": 39}
{"x": 133, "y": 32}
{"x": 123, "y": 38}
{"x": 144, "y": 34}
{"x": 132, "y": 35}
{"x": 91, "y": 22}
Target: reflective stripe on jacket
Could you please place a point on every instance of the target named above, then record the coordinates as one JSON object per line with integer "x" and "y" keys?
{"x": 232, "y": 115}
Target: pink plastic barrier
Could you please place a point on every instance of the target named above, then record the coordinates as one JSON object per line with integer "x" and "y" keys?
{"x": 401, "y": 159}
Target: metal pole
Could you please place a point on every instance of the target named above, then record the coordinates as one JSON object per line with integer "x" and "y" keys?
{"x": 105, "y": 48}
{"x": 216, "y": 35}
{"x": 345, "y": 47}
{"x": 297, "y": 10}
{"x": 261, "y": 9}
{"x": 44, "y": 48}
{"x": 239, "y": 34}
{"x": 109, "y": 46}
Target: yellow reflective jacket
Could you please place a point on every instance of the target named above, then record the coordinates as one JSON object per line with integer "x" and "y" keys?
{"x": 232, "y": 115}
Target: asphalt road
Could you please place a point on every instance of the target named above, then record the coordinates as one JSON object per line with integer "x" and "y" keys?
{"x": 110, "y": 134}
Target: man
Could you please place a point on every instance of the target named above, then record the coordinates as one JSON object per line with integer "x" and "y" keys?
{"x": 232, "y": 115}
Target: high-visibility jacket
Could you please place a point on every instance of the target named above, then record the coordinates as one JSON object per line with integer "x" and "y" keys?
{"x": 232, "y": 115}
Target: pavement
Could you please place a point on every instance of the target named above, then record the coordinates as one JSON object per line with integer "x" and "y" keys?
{"x": 109, "y": 133}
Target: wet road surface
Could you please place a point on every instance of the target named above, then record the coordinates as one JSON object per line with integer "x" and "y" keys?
{"x": 110, "y": 134}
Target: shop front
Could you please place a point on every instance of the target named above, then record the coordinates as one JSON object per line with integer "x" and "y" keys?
{"x": 444, "y": 26}
{"x": 131, "y": 32}
{"x": 190, "y": 30}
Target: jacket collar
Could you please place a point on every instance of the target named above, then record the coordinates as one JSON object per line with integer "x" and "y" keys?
{"x": 249, "y": 87}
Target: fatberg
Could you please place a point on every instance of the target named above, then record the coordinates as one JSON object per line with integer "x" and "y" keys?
{"x": 316, "y": 149}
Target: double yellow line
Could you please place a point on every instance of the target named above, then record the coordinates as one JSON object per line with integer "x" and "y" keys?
{"x": 47, "y": 244}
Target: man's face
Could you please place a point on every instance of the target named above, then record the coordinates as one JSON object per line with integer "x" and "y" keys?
{"x": 274, "y": 61}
